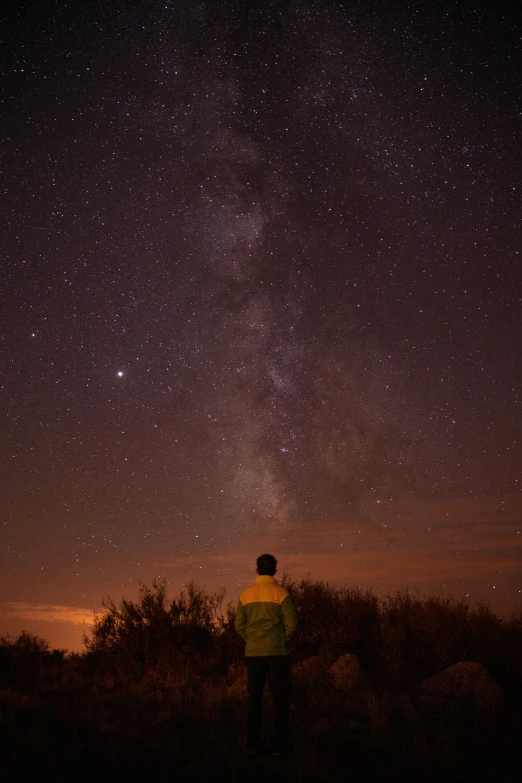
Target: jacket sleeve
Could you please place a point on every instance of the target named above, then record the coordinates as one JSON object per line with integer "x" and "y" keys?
{"x": 289, "y": 617}
{"x": 240, "y": 621}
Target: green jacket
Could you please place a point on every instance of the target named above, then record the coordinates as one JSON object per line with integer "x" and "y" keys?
{"x": 265, "y": 618}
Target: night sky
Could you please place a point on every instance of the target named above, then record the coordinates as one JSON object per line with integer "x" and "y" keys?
{"x": 261, "y": 292}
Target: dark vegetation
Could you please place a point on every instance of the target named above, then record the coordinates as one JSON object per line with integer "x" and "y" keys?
{"x": 159, "y": 693}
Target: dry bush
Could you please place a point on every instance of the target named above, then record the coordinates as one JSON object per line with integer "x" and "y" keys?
{"x": 511, "y": 654}
{"x": 333, "y": 621}
{"x": 172, "y": 639}
{"x": 162, "y": 685}
{"x": 422, "y": 636}
{"x": 26, "y": 659}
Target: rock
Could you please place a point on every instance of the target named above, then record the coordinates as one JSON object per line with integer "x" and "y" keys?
{"x": 238, "y": 691}
{"x": 347, "y": 674}
{"x": 466, "y": 682}
{"x": 235, "y": 671}
{"x": 357, "y": 709}
{"x": 309, "y": 670}
{"x": 237, "y": 678}
{"x": 440, "y": 709}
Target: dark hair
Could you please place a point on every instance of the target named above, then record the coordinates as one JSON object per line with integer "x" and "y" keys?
{"x": 266, "y": 565}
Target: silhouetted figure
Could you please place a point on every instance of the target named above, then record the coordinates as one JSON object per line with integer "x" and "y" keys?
{"x": 266, "y": 620}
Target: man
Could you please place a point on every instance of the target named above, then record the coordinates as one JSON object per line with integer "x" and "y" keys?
{"x": 266, "y": 620}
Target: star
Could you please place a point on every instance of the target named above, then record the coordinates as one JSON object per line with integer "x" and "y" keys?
{"x": 310, "y": 268}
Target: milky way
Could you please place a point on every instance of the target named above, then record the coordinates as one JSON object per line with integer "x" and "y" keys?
{"x": 262, "y": 268}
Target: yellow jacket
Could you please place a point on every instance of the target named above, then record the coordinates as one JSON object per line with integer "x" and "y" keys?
{"x": 265, "y": 618}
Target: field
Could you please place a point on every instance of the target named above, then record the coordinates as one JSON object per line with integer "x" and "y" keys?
{"x": 160, "y": 693}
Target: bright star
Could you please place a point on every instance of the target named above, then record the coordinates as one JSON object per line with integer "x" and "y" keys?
{"x": 120, "y": 373}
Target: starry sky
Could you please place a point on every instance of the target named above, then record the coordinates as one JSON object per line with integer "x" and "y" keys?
{"x": 261, "y": 292}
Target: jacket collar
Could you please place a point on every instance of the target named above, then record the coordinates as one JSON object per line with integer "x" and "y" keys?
{"x": 264, "y": 578}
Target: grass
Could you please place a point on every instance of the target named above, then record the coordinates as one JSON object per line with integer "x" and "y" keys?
{"x": 159, "y": 693}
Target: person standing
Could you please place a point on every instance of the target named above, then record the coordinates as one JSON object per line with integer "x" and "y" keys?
{"x": 266, "y": 620}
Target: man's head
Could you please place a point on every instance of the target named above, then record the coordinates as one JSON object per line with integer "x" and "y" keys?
{"x": 266, "y": 565}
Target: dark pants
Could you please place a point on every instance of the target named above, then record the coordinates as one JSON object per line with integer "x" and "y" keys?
{"x": 277, "y": 667}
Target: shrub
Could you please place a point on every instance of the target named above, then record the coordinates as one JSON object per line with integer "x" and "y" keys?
{"x": 23, "y": 657}
{"x": 399, "y": 640}
{"x": 137, "y": 637}
{"x": 333, "y": 621}
{"x": 422, "y": 636}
